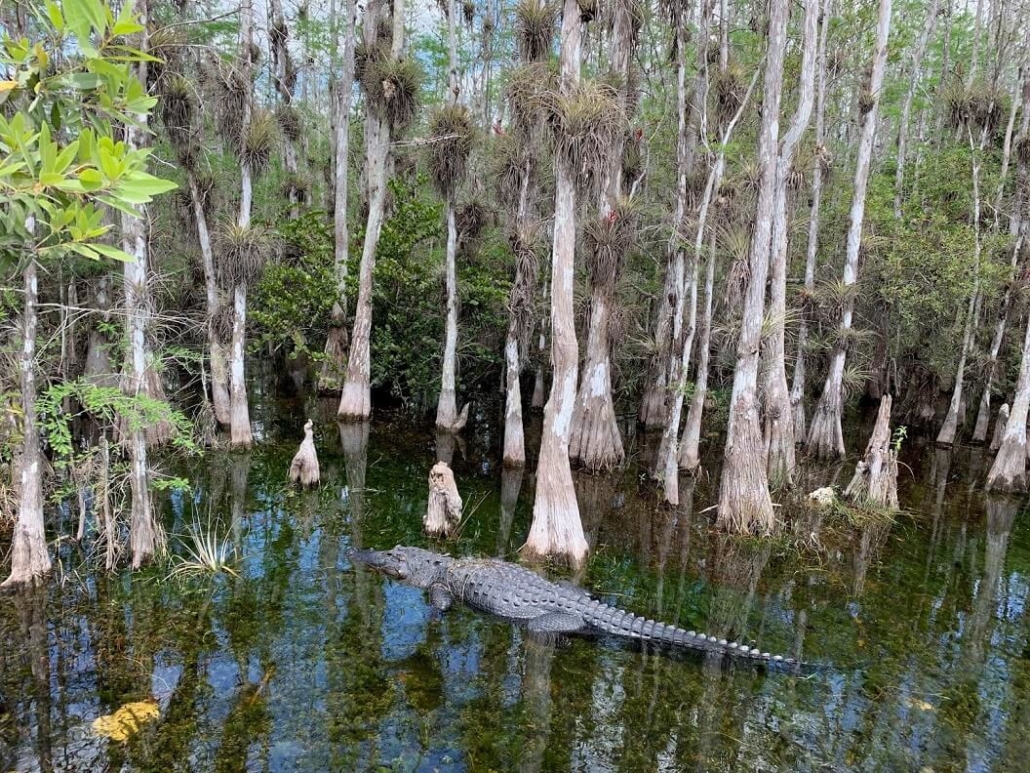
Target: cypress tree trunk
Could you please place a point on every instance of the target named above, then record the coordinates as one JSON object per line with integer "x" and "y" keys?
{"x": 1008, "y": 473}
{"x": 239, "y": 410}
{"x": 797, "y": 389}
{"x": 744, "y": 503}
{"x": 557, "y": 529}
{"x": 30, "y": 561}
{"x": 951, "y": 421}
{"x": 826, "y": 437}
{"x": 355, "y": 400}
{"x": 219, "y": 370}
{"x": 596, "y": 443}
{"x": 689, "y": 452}
{"x": 336, "y": 342}
{"x": 447, "y": 417}
{"x": 779, "y": 422}
{"x": 144, "y": 533}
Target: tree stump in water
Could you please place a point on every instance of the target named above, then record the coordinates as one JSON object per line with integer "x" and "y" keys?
{"x": 304, "y": 468}
{"x": 443, "y": 513}
{"x": 876, "y": 477}
{"x": 999, "y": 427}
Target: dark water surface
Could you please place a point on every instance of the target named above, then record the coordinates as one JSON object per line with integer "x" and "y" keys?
{"x": 304, "y": 664}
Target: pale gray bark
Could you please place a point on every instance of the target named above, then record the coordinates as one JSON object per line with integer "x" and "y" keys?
{"x": 826, "y": 437}
{"x": 798, "y": 386}
{"x": 690, "y": 444}
{"x": 956, "y": 407}
{"x": 596, "y": 442}
{"x": 356, "y": 400}
{"x": 447, "y": 416}
{"x": 1008, "y": 473}
{"x": 145, "y": 536}
{"x": 744, "y": 502}
{"x": 875, "y": 481}
{"x": 30, "y": 561}
{"x": 556, "y": 529}
{"x": 239, "y": 410}
{"x": 779, "y": 423}
{"x": 336, "y": 342}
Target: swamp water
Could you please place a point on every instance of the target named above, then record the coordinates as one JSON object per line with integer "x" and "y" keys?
{"x": 302, "y": 663}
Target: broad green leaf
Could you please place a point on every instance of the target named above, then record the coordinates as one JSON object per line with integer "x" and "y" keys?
{"x": 56, "y": 17}
{"x": 113, "y": 252}
{"x": 115, "y": 203}
{"x": 76, "y": 15}
{"x": 142, "y": 187}
{"x": 91, "y": 179}
{"x": 84, "y": 250}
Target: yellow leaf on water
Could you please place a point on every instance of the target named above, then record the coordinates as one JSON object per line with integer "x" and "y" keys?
{"x": 126, "y": 721}
{"x": 918, "y": 703}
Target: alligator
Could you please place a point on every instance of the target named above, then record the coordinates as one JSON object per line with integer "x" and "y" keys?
{"x": 515, "y": 593}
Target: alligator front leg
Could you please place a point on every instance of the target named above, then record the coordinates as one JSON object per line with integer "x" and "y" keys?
{"x": 440, "y": 597}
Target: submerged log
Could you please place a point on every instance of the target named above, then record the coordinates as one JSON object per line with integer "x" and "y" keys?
{"x": 999, "y": 427}
{"x": 876, "y": 476}
{"x": 443, "y": 513}
{"x": 304, "y": 468}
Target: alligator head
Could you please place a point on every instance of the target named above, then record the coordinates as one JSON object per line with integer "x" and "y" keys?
{"x": 413, "y": 566}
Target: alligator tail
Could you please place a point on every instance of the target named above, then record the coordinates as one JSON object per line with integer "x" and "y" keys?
{"x": 621, "y": 623}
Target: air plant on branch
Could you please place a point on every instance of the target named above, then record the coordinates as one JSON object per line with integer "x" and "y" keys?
{"x": 534, "y": 29}
{"x": 261, "y": 140}
{"x": 583, "y": 126}
{"x": 526, "y": 85}
{"x": 453, "y": 133}
{"x": 608, "y": 239}
{"x": 244, "y": 252}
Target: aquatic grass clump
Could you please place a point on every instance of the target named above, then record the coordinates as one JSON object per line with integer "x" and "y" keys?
{"x": 453, "y": 133}
{"x": 206, "y": 554}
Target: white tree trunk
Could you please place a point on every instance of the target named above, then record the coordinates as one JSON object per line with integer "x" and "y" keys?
{"x": 30, "y": 561}
{"x": 239, "y": 410}
{"x": 875, "y": 481}
{"x": 779, "y": 422}
{"x": 690, "y": 451}
{"x": 356, "y": 400}
{"x": 144, "y": 533}
{"x": 447, "y": 417}
{"x": 826, "y": 437}
{"x": 557, "y": 530}
{"x": 219, "y": 369}
{"x": 1008, "y": 473}
{"x": 999, "y": 427}
{"x": 336, "y": 342}
{"x": 798, "y": 387}
{"x": 443, "y": 511}
{"x": 956, "y": 407}
{"x": 744, "y": 503}
{"x": 239, "y": 420}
